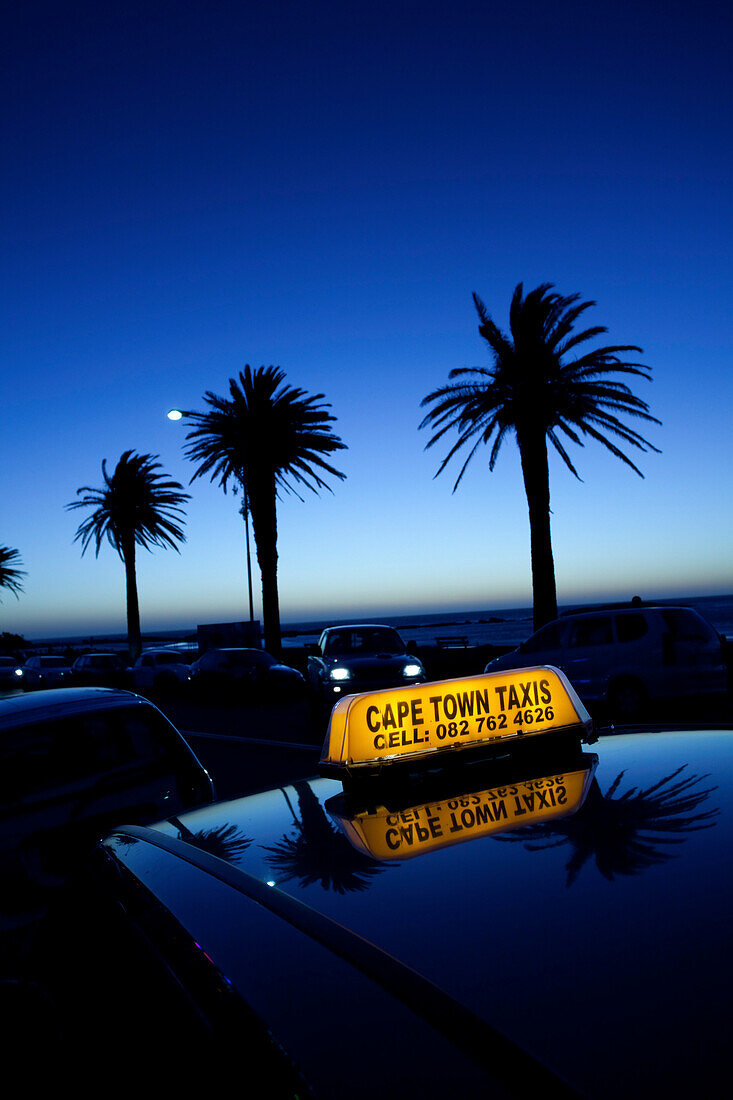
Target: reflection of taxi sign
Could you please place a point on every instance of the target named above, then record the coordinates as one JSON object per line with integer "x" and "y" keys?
{"x": 388, "y": 835}
{"x": 403, "y": 724}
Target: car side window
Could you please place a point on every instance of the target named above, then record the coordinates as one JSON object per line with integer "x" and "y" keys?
{"x": 632, "y": 626}
{"x": 101, "y": 743}
{"x": 148, "y": 734}
{"x": 685, "y": 625}
{"x": 29, "y": 760}
{"x": 590, "y": 632}
{"x": 547, "y": 638}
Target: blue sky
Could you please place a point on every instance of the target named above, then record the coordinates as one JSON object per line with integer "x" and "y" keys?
{"x": 189, "y": 187}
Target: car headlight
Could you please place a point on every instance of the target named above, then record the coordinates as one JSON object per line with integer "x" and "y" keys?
{"x": 18, "y": 672}
{"x": 340, "y": 673}
{"x": 412, "y": 670}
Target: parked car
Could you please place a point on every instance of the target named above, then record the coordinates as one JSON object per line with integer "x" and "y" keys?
{"x": 77, "y": 761}
{"x": 623, "y": 657}
{"x": 363, "y": 657}
{"x": 100, "y": 670}
{"x": 11, "y": 673}
{"x": 160, "y": 670}
{"x": 249, "y": 672}
{"x": 46, "y": 672}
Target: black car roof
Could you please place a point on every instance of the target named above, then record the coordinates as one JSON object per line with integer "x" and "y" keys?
{"x": 63, "y": 702}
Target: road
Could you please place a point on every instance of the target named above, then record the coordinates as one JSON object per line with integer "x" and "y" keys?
{"x": 247, "y": 749}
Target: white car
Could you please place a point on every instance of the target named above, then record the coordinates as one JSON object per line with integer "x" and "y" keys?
{"x": 159, "y": 670}
{"x": 625, "y": 656}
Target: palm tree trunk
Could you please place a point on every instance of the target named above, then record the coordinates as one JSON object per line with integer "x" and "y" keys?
{"x": 535, "y": 470}
{"x": 134, "y": 637}
{"x": 263, "y": 509}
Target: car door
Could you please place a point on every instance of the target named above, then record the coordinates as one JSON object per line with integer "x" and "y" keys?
{"x": 590, "y": 654}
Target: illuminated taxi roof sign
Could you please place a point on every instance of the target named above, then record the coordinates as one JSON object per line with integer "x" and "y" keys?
{"x": 402, "y": 724}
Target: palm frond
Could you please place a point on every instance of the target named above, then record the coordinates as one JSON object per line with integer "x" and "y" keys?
{"x": 136, "y": 504}
{"x": 10, "y": 570}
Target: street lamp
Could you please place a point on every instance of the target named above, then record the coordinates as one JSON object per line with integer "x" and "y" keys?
{"x": 177, "y": 414}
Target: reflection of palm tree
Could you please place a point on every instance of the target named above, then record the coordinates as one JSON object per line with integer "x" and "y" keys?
{"x": 535, "y": 390}
{"x": 624, "y": 834}
{"x": 136, "y": 507}
{"x": 225, "y": 841}
{"x": 266, "y": 438}
{"x": 319, "y": 852}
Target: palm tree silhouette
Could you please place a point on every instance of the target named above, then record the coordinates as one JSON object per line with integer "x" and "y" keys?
{"x": 266, "y": 437}
{"x": 534, "y": 391}
{"x": 319, "y": 852}
{"x": 627, "y": 833}
{"x": 10, "y": 571}
{"x": 136, "y": 507}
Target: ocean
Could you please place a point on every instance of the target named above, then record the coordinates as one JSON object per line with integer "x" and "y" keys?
{"x": 503, "y": 627}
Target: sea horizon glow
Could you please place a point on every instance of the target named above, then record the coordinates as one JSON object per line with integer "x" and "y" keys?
{"x": 322, "y": 187}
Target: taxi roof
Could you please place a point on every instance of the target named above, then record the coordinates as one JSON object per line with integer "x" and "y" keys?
{"x": 598, "y": 941}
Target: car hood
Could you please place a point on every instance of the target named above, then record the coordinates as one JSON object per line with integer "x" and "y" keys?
{"x": 370, "y": 661}
{"x": 583, "y": 938}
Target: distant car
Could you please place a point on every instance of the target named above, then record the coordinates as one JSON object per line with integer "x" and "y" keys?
{"x": 625, "y": 657}
{"x": 78, "y": 760}
{"x": 46, "y": 672}
{"x": 99, "y": 670}
{"x": 11, "y": 673}
{"x": 363, "y": 657}
{"x": 251, "y": 672}
{"x": 159, "y": 670}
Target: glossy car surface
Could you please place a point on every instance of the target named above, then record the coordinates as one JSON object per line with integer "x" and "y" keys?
{"x": 46, "y": 672}
{"x": 421, "y": 939}
{"x": 358, "y": 658}
{"x": 250, "y": 671}
{"x": 75, "y": 761}
{"x": 626, "y": 657}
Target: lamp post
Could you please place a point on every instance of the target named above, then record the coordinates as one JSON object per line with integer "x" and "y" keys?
{"x": 245, "y": 512}
{"x": 177, "y": 414}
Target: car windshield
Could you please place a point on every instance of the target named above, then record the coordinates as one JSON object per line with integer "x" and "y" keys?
{"x": 362, "y": 640}
{"x": 168, "y": 659}
{"x": 53, "y": 662}
{"x": 243, "y": 658}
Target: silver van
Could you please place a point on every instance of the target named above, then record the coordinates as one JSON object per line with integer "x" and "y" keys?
{"x": 626, "y": 656}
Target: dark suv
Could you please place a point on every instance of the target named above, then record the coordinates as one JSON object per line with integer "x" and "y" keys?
{"x": 77, "y": 761}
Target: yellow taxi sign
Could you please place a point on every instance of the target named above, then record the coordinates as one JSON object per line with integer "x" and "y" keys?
{"x": 400, "y": 724}
{"x": 386, "y": 834}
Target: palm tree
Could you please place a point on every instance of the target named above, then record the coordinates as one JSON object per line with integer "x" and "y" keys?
{"x": 319, "y": 852}
{"x": 624, "y": 834}
{"x": 10, "y": 571}
{"x": 266, "y": 437}
{"x": 136, "y": 507}
{"x": 535, "y": 390}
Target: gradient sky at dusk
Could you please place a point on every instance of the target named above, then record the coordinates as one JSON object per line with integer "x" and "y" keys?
{"x": 189, "y": 187}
